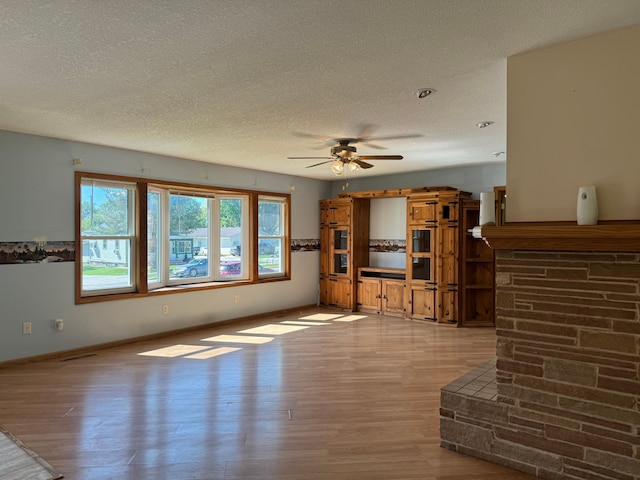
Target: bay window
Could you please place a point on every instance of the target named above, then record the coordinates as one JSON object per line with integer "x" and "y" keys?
{"x": 141, "y": 236}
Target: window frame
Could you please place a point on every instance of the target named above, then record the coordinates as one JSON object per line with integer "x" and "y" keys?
{"x": 245, "y": 240}
{"x": 142, "y": 286}
{"x": 175, "y": 245}
{"x": 129, "y": 237}
{"x": 282, "y": 237}
{"x": 159, "y": 280}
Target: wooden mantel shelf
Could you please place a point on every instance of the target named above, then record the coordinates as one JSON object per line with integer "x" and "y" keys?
{"x": 618, "y": 237}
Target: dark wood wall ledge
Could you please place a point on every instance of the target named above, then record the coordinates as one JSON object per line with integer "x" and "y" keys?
{"x": 615, "y": 237}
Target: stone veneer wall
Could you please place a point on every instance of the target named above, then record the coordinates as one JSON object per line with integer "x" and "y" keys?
{"x": 568, "y": 369}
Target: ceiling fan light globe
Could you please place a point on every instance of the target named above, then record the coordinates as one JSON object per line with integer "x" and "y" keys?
{"x": 353, "y": 166}
{"x": 337, "y": 167}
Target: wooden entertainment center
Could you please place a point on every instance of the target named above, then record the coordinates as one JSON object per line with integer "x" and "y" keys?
{"x": 449, "y": 275}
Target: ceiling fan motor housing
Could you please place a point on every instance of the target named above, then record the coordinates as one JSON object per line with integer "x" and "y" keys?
{"x": 343, "y": 151}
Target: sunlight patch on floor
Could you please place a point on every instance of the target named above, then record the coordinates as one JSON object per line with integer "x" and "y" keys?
{"x": 321, "y": 316}
{"x": 214, "y": 352}
{"x": 302, "y": 322}
{"x": 350, "y": 318}
{"x": 273, "y": 329}
{"x": 238, "y": 339}
{"x": 249, "y": 336}
{"x": 174, "y": 351}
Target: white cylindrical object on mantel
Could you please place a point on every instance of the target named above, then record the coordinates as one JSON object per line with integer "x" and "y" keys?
{"x": 587, "y": 212}
{"x": 487, "y": 208}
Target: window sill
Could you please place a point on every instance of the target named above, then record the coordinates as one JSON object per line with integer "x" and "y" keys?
{"x": 168, "y": 290}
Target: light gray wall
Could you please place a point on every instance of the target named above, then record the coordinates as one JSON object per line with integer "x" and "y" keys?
{"x": 474, "y": 179}
{"x": 37, "y": 196}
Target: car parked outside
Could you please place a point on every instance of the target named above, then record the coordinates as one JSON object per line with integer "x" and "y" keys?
{"x": 198, "y": 267}
{"x": 230, "y": 268}
{"x": 234, "y": 268}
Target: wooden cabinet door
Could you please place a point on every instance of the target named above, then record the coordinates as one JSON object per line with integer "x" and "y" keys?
{"x": 324, "y": 251}
{"x": 369, "y": 294}
{"x": 339, "y": 214}
{"x": 421, "y": 253}
{"x": 448, "y": 240}
{"x": 448, "y": 210}
{"x": 422, "y": 302}
{"x": 420, "y": 212}
{"x": 339, "y": 242}
{"x": 448, "y": 271}
{"x": 448, "y": 264}
{"x": 324, "y": 212}
{"x": 339, "y": 292}
{"x": 392, "y": 296}
{"x": 324, "y": 291}
{"x": 422, "y": 239}
{"x": 448, "y": 305}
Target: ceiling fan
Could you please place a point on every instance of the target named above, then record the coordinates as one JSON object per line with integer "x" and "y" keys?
{"x": 343, "y": 154}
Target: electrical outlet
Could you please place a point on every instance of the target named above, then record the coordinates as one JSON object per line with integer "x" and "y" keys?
{"x": 165, "y": 309}
{"x": 237, "y": 299}
{"x": 26, "y": 328}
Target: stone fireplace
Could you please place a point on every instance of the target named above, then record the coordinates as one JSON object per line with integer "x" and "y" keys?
{"x": 568, "y": 357}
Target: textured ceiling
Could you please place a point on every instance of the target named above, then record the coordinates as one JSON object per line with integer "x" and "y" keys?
{"x": 251, "y": 82}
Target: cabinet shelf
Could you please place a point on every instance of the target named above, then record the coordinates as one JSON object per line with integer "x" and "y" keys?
{"x": 381, "y": 272}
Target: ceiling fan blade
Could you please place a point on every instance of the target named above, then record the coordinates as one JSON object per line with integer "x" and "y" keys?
{"x": 365, "y": 137}
{"x": 362, "y": 164}
{"x": 327, "y": 140}
{"x": 309, "y": 158}
{"x": 366, "y": 130}
{"x": 380, "y": 157}
{"x": 392, "y": 137}
{"x": 366, "y": 143}
{"x": 321, "y": 163}
{"x": 312, "y": 135}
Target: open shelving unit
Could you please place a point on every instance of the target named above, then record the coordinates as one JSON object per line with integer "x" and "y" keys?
{"x": 477, "y": 273}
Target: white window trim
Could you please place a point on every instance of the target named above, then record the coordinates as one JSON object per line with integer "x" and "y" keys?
{"x": 282, "y": 237}
{"x": 130, "y": 238}
{"x": 166, "y": 237}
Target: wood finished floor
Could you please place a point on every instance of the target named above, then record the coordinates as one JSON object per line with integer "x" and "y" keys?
{"x": 335, "y": 400}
